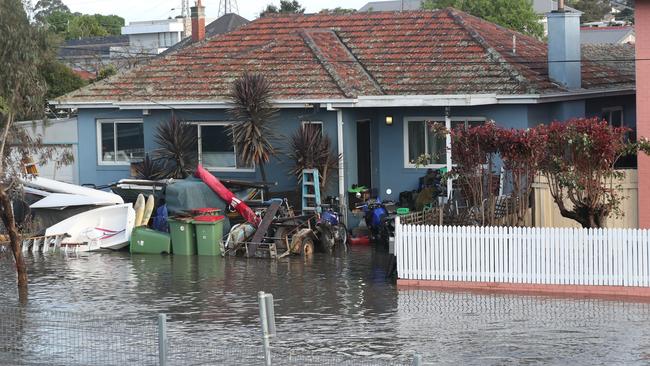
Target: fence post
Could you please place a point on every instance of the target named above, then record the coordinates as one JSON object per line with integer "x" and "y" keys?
{"x": 268, "y": 323}
{"x": 162, "y": 339}
{"x": 417, "y": 360}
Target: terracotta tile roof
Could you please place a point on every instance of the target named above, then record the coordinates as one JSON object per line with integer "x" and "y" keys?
{"x": 328, "y": 56}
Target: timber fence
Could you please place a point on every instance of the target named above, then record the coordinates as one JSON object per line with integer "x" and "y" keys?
{"x": 556, "y": 256}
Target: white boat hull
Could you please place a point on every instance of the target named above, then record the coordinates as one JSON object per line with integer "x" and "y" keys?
{"x": 65, "y": 200}
{"x": 107, "y": 227}
{"x": 54, "y": 186}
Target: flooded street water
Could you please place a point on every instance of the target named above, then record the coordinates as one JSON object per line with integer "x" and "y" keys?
{"x": 338, "y": 304}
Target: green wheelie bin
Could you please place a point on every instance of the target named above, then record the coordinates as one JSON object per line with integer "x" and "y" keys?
{"x": 147, "y": 241}
{"x": 209, "y": 231}
{"x": 183, "y": 237}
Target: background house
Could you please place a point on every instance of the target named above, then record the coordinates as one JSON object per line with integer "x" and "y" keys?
{"x": 139, "y": 41}
{"x": 61, "y": 132}
{"x": 88, "y": 56}
{"x": 347, "y": 74}
{"x": 612, "y": 35}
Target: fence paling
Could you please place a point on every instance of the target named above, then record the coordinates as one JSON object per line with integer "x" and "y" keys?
{"x": 572, "y": 256}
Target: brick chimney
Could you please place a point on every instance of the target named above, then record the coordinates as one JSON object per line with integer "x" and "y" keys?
{"x": 198, "y": 22}
{"x": 564, "y": 47}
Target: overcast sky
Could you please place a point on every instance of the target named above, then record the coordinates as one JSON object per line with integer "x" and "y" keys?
{"x": 133, "y": 10}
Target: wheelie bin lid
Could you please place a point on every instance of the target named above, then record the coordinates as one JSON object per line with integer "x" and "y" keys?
{"x": 204, "y": 211}
{"x": 208, "y": 219}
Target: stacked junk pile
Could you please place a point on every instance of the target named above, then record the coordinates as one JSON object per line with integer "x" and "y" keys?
{"x": 198, "y": 215}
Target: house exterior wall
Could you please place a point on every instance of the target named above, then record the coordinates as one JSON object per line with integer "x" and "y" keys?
{"x": 594, "y": 108}
{"x": 642, "y": 28}
{"x": 287, "y": 122}
{"x": 388, "y": 168}
{"x": 387, "y": 143}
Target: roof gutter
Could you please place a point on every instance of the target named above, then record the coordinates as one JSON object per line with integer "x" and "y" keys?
{"x": 561, "y": 97}
{"x": 457, "y": 100}
{"x": 208, "y": 104}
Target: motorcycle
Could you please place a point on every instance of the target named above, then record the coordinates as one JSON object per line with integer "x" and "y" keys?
{"x": 330, "y": 228}
{"x": 380, "y": 218}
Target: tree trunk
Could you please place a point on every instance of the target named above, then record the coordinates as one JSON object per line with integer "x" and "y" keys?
{"x": 16, "y": 244}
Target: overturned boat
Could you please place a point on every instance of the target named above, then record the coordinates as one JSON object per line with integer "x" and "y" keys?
{"x": 76, "y": 217}
{"x": 107, "y": 227}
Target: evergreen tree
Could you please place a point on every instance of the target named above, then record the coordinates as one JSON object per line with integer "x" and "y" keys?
{"x": 60, "y": 79}
{"x": 286, "y": 7}
{"x": 45, "y": 8}
{"x": 23, "y": 48}
{"x": 517, "y": 15}
{"x": 84, "y": 26}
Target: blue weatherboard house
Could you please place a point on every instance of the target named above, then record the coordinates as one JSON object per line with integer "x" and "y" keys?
{"x": 370, "y": 81}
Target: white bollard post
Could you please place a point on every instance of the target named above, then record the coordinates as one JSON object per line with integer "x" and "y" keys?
{"x": 267, "y": 320}
{"x": 417, "y": 360}
{"x": 162, "y": 339}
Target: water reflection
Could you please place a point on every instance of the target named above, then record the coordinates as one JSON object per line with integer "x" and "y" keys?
{"x": 336, "y": 304}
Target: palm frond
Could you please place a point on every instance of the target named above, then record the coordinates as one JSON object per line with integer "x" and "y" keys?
{"x": 150, "y": 169}
{"x": 178, "y": 151}
{"x": 252, "y": 132}
{"x": 311, "y": 149}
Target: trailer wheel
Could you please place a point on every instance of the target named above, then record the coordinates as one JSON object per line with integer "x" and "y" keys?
{"x": 307, "y": 246}
{"x": 282, "y": 238}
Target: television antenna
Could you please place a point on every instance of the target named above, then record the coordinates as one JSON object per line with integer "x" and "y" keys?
{"x": 227, "y": 7}
{"x": 185, "y": 9}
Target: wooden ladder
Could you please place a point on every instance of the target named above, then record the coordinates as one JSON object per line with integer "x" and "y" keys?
{"x": 310, "y": 190}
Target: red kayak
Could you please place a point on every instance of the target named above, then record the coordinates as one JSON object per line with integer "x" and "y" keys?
{"x": 227, "y": 195}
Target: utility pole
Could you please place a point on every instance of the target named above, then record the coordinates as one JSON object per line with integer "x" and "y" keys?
{"x": 227, "y": 7}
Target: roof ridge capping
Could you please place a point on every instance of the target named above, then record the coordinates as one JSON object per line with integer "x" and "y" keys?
{"x": 492, "y": 52}
{"x": 351, "y": 76}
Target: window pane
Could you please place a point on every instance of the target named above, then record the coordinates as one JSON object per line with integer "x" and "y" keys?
{"x": 457, "y": 124}
{"x": 437, "y": 148}
{"x": 130, "y": 142}
{"x": 216, "y": 147}
{"x": 416, "y": 140}
{"x": 471, "y": 124}
{"x": 108, "y": 142}
{"x": 616, "y": 118}
{"x": 313, "y": 126}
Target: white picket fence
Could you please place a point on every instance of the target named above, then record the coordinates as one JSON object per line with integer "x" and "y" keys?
{"x": 608, "y": 257}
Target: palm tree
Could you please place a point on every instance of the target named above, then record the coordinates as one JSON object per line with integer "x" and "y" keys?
{"x": 252, "y": 134}
{"x": 178, "y": 152}
{"x": 312, "y": 149}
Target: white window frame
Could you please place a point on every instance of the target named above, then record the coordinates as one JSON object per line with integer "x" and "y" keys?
{"x": 98, "y": 129}
{"x": 200, "y": 148}
{"x": 448, "y": 122}
{"x": 614, "y": 109}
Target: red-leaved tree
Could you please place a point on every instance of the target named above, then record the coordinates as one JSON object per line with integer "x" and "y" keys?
{"x": 474, "y": 150}
{"x": 579, "y": 164}
{"x": 522, "y": 153}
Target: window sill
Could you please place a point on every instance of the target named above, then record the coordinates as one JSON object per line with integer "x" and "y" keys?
{"x": 113, "y": 164}
{"x": 229, "y": 170}
{"x": 430, "y": 166}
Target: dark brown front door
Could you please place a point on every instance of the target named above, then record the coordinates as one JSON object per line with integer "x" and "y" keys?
{"x": 364, "y": 165}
